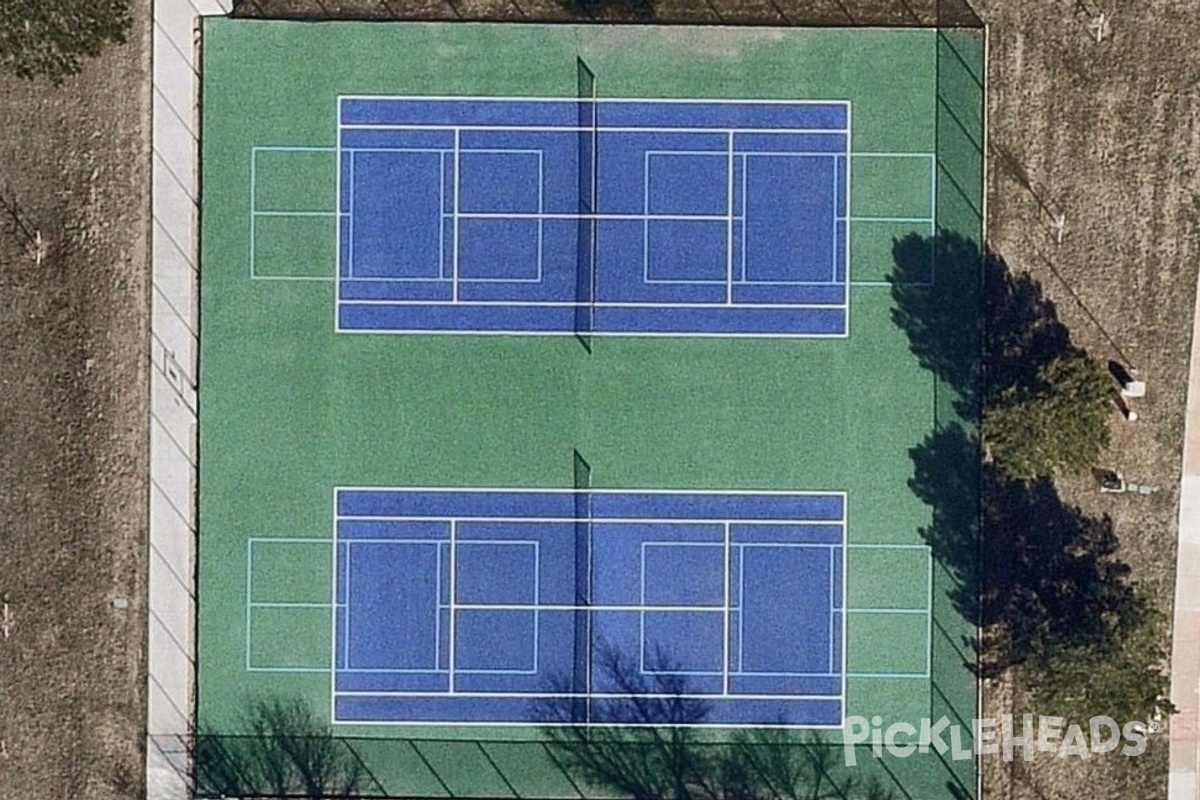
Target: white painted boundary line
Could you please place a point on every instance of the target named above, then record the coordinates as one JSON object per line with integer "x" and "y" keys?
{"x": 850, "y": 220}
{"x": 454, "y": 520}
{"x": 574, "y": 101}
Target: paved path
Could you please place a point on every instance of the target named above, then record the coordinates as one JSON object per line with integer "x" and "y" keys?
{"x": 1185, "y": 655}
{"x": 173, "y": 393}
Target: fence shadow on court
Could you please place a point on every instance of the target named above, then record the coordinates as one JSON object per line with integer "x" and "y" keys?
{"x": 657, "y": 754}
{"x": 800, "y": 13}
{"x": 632, "y": 10}
{"x": 1037, "y": 575}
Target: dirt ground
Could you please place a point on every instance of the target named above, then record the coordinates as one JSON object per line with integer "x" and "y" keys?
{"x": 73, "y": 429}
{"x": 1108, "y": 134}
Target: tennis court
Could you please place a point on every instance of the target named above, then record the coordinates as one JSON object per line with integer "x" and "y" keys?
{"x": 431, "y": 514}
{"x": 614, "y": 217}
{"x": 463, "y": 606}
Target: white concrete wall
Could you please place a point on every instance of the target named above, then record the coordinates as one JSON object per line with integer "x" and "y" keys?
{"x": 1185, "y": 651}
{"x": 174, "y": 359}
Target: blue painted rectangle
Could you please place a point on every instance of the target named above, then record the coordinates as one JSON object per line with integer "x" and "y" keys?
{"x": 790, "y": 219}
{"x": 395, "y": 224}
{"x": 734, "y": 115}
{"x": 392, "y": 606}
{"x": 781, "y": 633}
{"x": 459, "y": 111}
{"x": 541, "y": 224}
{"x": 502, "y": 606}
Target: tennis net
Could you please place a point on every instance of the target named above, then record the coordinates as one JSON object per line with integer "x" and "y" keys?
{"x": 585, "y": 276}
{"x": 581, "y": 678}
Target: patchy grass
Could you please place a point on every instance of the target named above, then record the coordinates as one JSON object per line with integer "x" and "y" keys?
{"x": 1105, "y": 133}
{"x": 73, "y": 428}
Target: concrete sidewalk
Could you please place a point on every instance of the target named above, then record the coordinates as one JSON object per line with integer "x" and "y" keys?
{"x": 173, "y": 361}
{"x": 1185, "y": 654}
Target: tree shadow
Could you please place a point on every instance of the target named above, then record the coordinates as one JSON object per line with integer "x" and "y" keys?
{"x": 635, "y": 739}
{"x": 970, "y": 320}
{"x": 284, "y": 751}
{"x": 1036, "y": 575}
{"x": 644, "y": 743}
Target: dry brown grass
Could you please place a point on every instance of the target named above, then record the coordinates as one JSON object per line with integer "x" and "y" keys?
{"x": 1109, "y": 134}
{"x": 73, "y": 429}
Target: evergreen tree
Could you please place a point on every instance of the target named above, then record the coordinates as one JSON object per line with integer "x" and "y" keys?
{"x": 50, "y": 38}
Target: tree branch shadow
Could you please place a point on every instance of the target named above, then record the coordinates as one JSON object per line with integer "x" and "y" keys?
{"x": 284, "y": 751}
{"x": 643, "y": 743}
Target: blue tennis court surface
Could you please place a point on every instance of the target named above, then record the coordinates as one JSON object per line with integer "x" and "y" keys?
{"x": 482, "y": 606}
{"x": 605, "y": 217}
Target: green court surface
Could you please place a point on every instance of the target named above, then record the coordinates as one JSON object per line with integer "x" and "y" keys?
{"x": 289, "y": 409}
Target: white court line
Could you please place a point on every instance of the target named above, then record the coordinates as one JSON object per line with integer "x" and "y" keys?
{"x": 437, "y": 607}
{"x": 454, "y": 202}
{"x": 349, "y": 223}
{"x": 624, "y": 491}
{"x": 857, "y": 546}
{"x": 575, "y": 129}
{"x": 933, "y": 170}
{"x": 929, "y": 617}
{"x": 836, "y": 219}
{"x": 296, "y": 213}
{"x": 846, "y": 293}
{"x": 345, "y": 579}
{"x": 889, "y": 675}
{"x": 599, "y": 334}
{"x": 541, "y": 209}
{"x": 537, "y": 596}
{"x": 744, "y": 153}
{"x": 646, "y": 221}
{"x": 832, "y": 603}
{"x": 346, "y": 616}
{"x": 296, "y": 278}
{"x": 915, "y": 220}
{"x": 573, "y": 217}
{"x": 572, "y": 304}
{"x": 249, "y": 596}
{"x": 509, "y": 724}
{"x": 441, "y": 270}
{"x": 641, "y": 611}
{"x": 727, "y": 553}
{"x": 729, "y": 244}
{"x": 745, "y": 202}
{"x": 337, "y": 295}
{"x": 253, "y": 215}
{"x": 581, "y": 696}
{"x": 290, "y": 539}
{"x": 869, "y": 154}
{"x": 287, "y": 148}
{"x": 887, "y": 611}
{"x": 574, "y": 101}
{"x": 569, "y": 520}
{"x": 453, "y": 580}
{"x": 741, "y": 608}
{"x": 334, "y": 578}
